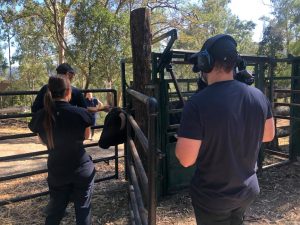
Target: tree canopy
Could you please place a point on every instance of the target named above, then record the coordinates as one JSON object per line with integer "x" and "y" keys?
{"x": 93, "y": 35}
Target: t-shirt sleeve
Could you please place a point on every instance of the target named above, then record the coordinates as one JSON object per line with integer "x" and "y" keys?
{"x": 191, "y": 125}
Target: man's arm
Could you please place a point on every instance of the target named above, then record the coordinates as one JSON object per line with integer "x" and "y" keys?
{"x": 269, "y": 130}
{"x": 187, "y": 151}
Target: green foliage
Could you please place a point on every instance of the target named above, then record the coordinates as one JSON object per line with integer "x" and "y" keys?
{"x": 281, "y": 33}
{"x": 94, "y": 34}
{"x": 209, "y": 18}
{"x": 101, "y": 39}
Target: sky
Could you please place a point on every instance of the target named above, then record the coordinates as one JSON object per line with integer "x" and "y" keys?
{"x": 245, "y": 10}
{"x": 252, "y": 10}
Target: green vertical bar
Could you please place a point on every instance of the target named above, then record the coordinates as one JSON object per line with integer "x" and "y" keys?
{"x": 294, "y": 145}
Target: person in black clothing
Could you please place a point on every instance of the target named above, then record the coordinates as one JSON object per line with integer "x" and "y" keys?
{"x": 94, "y": 106}
{"x": 221, "y": 130}
{"x": 63, "y": 128}
{"x": 77, "y": 98}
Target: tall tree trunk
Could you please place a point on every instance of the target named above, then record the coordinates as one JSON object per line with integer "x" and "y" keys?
{"x": 141, "y": 56}
{"x": 61, "y": 41}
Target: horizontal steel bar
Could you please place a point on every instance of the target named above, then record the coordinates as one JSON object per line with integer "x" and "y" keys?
{"x": 18, "y": 156}
{"x": 98, "y": 90}
{"x": 20, "y": 175}
{"x": 139, "y": 134}
{"x": 139, "y": 166}
{"x": 172, "y": 111}
{"x": 287, "y": 117}
{"x": 31, "y": 173}
{"x": 104, "y": 159}
{"x": 15, "y": 136}
{"x": 182, "y": 80}
{"x": 27, "y": 197}
{"x": 23, "y": 198}
{"x": 10, "y": 93}
{"x": 284, "y": 78}
{"x": 12, "y": 116}
{"x": 137, "y": 95}
{"x": 173, "y": 126}
{"x": 283, "y": 104}
{"x": 272, "y": 152}
{"x": 276, "y": 164}
{"x": 288, "y": 91}
{"x": 106, "y": 178}
{"x": 183, "y": 93}
{"x": 282, "y": 117}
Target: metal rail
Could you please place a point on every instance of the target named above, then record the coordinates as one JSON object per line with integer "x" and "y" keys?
{"x": 115, "y": 157}
{"x": 141, "y": 169}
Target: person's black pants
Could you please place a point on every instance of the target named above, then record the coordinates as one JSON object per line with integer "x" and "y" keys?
{"x": 233, "y": 217}
{"x": 60, "y": 196}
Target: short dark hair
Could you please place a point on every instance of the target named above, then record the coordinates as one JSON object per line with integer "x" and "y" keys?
{"x": 224, "y": 53}
{"x": 64, "y": 68}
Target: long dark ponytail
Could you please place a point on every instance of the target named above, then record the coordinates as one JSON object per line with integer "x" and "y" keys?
{"x": 57, "y": 87}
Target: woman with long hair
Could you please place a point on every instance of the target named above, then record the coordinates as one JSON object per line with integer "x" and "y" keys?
{"x": 63, "y": 128}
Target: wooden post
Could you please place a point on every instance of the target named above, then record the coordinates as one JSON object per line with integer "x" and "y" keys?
{"x": 141, "y": 57}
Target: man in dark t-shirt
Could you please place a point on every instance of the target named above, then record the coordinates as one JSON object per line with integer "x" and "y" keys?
{"x": 94, "y": 106}
{"x": 221, "y": 130}
{"x": 77, "y": 98}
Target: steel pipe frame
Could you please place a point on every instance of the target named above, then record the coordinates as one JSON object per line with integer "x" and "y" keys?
{"x": 27, "y": 197}
{"x": 138, "y": 195}
{"x": 286, "y": 162}
{"x": 139, "y": 166}
{"x": 35, "y": 172}
{"x": 150, "y": 147}
{"x": 139, "y": 134}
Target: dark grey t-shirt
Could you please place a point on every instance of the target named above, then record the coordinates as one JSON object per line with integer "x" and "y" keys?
{"x": 228, "y": 117}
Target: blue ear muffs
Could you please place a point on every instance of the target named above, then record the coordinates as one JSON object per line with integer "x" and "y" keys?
{"x": 203, "y": 61}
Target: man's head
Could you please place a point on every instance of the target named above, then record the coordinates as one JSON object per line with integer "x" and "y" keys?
{"x": 89, "y": 95}
{"x": 217, "y": 52}
{"x": 66, "y": 70}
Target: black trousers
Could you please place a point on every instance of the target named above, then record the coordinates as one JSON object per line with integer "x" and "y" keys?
{"x": 81, "y": 193}
{"x": 233, "y": 217}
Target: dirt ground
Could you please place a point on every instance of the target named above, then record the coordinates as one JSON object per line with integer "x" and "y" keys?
{"x": 278, "y": 203}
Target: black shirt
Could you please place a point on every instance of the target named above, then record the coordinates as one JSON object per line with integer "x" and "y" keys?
{"x": 77, "y": 99}
{"x": 229, "y": 118}
{"x": 68, "y": 156}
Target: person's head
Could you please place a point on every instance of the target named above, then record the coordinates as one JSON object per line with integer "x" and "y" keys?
{"x": 89, "y": 95}
{"x": 65, "y": 69}
{"x": 59, "y": 88}
{"x": 217, "y": 53}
